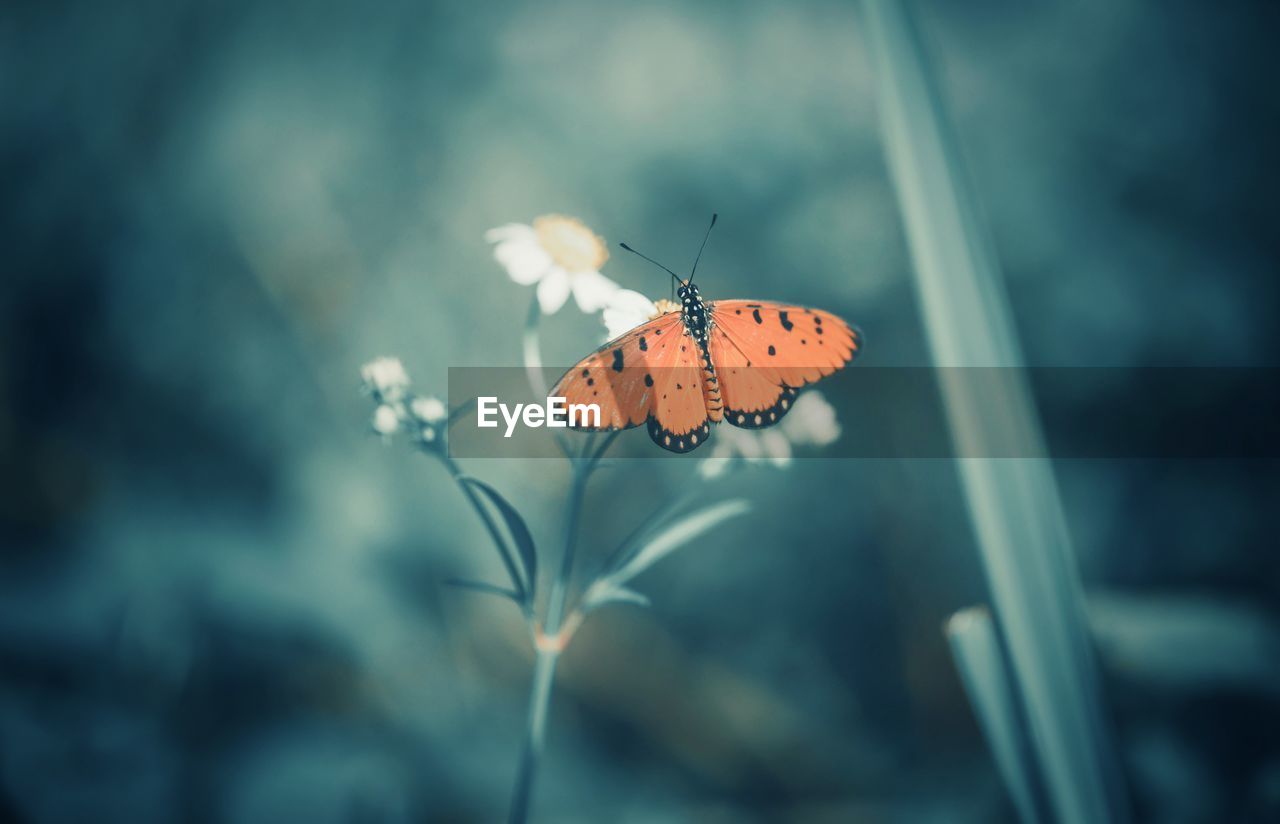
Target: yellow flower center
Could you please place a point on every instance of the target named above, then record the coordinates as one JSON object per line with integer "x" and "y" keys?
{"x": 663, "y": 307}
{"x": 571, "y": 244}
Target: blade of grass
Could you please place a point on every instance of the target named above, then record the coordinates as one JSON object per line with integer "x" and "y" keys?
{"x": 1014, "y": 504}
{"x": 975, "y": 645}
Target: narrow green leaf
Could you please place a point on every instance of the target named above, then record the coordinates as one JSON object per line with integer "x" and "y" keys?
{"x": 597, "y": 597}
{"x": 675, "y": 536}
{"x": 519, "y": 532}
{"x": 482, "y": 587}
{"x": 637, "y": 537}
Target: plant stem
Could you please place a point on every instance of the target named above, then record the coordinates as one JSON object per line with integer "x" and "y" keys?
{"x": 560, "y": 589}
{"x": 532, "y": 347}
{"x": 544, "y": 671}
{"x": 549, "y": 647}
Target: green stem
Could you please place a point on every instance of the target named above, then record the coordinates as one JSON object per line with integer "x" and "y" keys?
{"x": 531, "y": 343}
{"x": 533, "y": 350}
{"x": 560, "y": 589}
{"x": 550, "y": 644}
{"x": 544, "y": 671}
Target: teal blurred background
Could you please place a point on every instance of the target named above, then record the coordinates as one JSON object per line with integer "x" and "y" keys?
{"x": 220, "y": 597}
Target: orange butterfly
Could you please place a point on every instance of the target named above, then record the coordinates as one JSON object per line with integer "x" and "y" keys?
{"x": 706, "y": 361}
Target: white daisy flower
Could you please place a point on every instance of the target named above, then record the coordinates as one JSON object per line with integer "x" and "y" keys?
{"x": 811, "y": 422}
{"x": 560, "y": 255}
{"x": 385, "y": 378}
{"x": 628, "y": 309}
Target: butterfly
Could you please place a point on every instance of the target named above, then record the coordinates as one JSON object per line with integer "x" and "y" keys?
{"x": 703, "y": 362}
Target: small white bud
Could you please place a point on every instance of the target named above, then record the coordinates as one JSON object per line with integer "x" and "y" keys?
{"x": 385, "y": 420}
{"x": 386, "y": 377}
{"x": 428, "y": 410}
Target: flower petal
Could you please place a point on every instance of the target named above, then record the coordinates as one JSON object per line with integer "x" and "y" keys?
{"x": 747, "y": 444}
{"x": 812, "y": 421}
{"x": 553, "y": 290}
{"x": 713, "y": 467}
{"x": 525, "y": 261}
{"x": 627, "y": 309}
{"x": 592, "y": 290}
{"x": 511, "y": 231}
{"x": 776, "y": 447}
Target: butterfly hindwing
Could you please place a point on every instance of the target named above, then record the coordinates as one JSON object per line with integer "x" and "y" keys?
{"x": 679, "y": 421}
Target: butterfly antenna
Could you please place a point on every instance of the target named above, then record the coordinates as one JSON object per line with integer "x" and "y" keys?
{"x": 651, "y": 260}
{"x": 703, "y": 246}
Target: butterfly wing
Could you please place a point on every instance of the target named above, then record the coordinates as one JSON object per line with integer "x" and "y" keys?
{"x": 764, "y": 351}
{"x": 620, "y": 376}
{"x": 679, "y": 420}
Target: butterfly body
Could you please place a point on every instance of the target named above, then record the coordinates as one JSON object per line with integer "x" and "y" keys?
{"x": 697, "y": 322}
{"x": 709, "y": 361}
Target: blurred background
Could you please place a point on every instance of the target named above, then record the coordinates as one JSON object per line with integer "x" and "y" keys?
{"x": 220, "y": 595}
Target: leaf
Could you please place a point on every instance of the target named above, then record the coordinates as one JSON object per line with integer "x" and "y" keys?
{"x": 673, "y": 537}
{"x": 482, "y": 587}
{"x": 519, "y": 532}
{"x": 636, "y": 538}
{"x": 600, "y": 595}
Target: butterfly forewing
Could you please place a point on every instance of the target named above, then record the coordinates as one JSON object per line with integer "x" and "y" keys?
{"x": 764, "y": 351}
{"x": 619, "y": 377}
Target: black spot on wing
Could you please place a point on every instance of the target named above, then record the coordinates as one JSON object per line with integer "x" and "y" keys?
{"x": 617, "y": 360}
{"x": 786, "y": 324}
{"x": 648, "y": 379}
{"x": 644, "y": 345}
{"x": 755, "y": 313}
{"x": 772, "y": 351}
